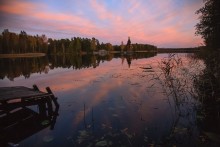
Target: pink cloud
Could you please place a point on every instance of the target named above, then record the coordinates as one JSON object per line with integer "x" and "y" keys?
{"x": 19, "y": 8}
{"x": 137, "y": 20}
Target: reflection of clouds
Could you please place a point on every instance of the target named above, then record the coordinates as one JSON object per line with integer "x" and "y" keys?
{"x": 94, "y": 90}
{"x": 127, "y": 92}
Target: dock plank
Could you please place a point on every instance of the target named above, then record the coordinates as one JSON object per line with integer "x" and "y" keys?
{"x": 10, "y": 93}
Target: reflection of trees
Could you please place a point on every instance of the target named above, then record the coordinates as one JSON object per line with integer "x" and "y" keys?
{"x": 12, "y": 68}
{"x": 194, "y": 96}
{"x": 208, "y": 83}
{"x": 208, "y": 87}
{"x": 77, "y": 61}
{"x": 135, "y": 56}
{"x": 176, "y": 76}
{"x": 15, "y": 67}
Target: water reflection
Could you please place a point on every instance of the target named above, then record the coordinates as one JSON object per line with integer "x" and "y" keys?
{"x": 130, "y": 101}
{"x": 208, "y": 86}
{"x": 16, "y": 67}
{"x": 11, "y": 68}
{"x": 24, "y": 122}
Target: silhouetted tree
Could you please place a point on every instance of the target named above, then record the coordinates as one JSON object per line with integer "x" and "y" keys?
{"x": 209, "y": 25}
{"x": 5, "y": 39}
{"x": 122, "y": 46}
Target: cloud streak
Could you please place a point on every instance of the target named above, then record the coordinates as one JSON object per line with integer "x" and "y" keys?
{"x": 162, "y": 23}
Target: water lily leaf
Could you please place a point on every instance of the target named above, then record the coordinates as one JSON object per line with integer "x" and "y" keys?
{"x": 129, "y": 135}
{"x": 180, "y": 130}
{"x": 13, "y": 144}
{"x": 115, "y": 115}
{"x": 146, "y": 67}
{"x": 83, "y": 135}
{"x": 45, "y": 122}
{"x": 124, "y": 130}
{"x": 145, "y": 138}
{"x": 101, "y": 143}
{"x": 148, "y": 71}
{"x": 103, "y": 125}
{"x": 48, "y": 138}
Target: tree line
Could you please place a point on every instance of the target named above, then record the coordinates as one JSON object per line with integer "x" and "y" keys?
{"x": 12, "y": 43}
{"x": 21, "y": 43}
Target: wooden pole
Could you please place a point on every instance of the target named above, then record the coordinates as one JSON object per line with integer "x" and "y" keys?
{"x": 49, "y": 106}
{"x": 36, "y": 88}
{"x": 54, "y": 99}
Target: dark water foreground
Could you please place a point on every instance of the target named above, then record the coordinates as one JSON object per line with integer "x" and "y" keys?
{"x": 115, "y": 100}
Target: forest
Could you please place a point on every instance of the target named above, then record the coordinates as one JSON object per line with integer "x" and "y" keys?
{"x": 12, "y": 43}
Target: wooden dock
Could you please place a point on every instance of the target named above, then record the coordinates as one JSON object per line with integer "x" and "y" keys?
{"x": 13, "y": 97}
{"x": 16, "y": 116}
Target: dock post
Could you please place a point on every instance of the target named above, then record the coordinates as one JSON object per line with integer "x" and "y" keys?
{"x": 54, "y": 99}
{"x": 36, "y": 88}
{"x": 42, "y": 109}
{"x": 49, "y": 106}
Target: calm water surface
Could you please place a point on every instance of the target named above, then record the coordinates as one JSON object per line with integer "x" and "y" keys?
{"x": 117, "y": 101}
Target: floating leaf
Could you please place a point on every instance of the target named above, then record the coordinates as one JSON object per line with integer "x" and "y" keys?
{"x": 45, "y": 122}
{"x": 129, "y": 135}
{"x": 48, "y": 138}
{"x": 103, "y": 125}
{"x": 145, "y": 138}
{"x": 101, "y": 143}
{"x": 115, "y": 115}
{"x": 180, "y": 130}
{"x": 148, "y": 71}
{"x": 13, "y": 144}
{"x": 124, "y": 130}
{"x": 146, "y": 67}
{"x": 83, "y": 135}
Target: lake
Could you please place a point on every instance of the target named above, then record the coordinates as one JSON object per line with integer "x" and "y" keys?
{"x": 115, "y": 100}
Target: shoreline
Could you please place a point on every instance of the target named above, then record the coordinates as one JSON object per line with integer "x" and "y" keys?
{"x": 24, "y": 55}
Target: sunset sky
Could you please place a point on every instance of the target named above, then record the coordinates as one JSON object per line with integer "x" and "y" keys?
{"x": 164, "y": 23}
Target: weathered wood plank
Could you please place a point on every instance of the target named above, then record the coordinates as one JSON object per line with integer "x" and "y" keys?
{"x": 10, "y": 93}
